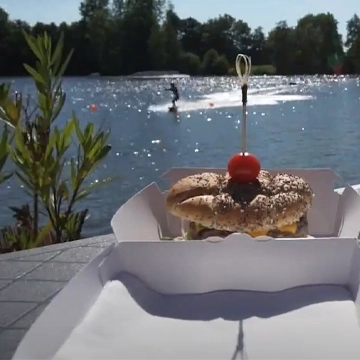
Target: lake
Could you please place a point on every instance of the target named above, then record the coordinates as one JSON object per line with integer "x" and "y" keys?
{"x": 315, "y": 123}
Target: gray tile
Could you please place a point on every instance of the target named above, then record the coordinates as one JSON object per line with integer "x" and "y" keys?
{"x": 27, "y": 320}
{"x": 96, "y": 240}
{"x": 35, "y": 291}
{"x": 14, "y": 269}
{"x": 99, "y": 241}
{"x": 39, "y": 257}
{"x": 9, "y": 341}
{"x": 80, "y": 254}
{"x": 24, "y": 253}
{"x": 54, "y": 271}
{"x": 102, "y": 244}
{"x": 103, "y": 240}
{"x": 9, "y": 312}
{"x": 4, "y": 283}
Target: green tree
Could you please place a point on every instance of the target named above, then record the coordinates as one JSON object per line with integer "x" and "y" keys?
{"x": 258, "y": 47}
{"x": 138, "y": 21}
{"x": 94, "y": 17}
{"x": 242, "y": 36}
{"x": 318, "y": 39}
{"x": 353, "y": 44}
{"x": 157, "y": 48}
{"x": 189, "y": 64}
{"x": 120, "y": 37}
{"x": 220, "y": 66}
{"x": 190, "y": 35}
{"x": 117, "y": 8}
{"x": 172, "y": 45}
{"x": 283, "y": 47}
{"x": 220, "y": 34}
{"x": 214, "y": 64}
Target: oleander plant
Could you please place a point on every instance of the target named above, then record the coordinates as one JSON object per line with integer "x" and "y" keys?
{"x": 52, "y": 163}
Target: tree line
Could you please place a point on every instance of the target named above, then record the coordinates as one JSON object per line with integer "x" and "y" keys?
{"x": 121, "y": 37}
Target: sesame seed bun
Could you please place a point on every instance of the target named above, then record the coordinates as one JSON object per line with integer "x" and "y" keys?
{"x": 217, "y": 202}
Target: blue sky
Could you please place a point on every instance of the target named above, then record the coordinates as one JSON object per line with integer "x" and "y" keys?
{"x": 263, "y": 13}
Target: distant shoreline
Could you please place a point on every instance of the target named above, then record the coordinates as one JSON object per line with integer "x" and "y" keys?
{"x": 127, "y": 77}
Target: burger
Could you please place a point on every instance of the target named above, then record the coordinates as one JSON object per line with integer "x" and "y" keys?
{"x": 217, "y": 205}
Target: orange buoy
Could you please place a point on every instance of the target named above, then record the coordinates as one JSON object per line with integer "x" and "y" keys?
{"x": 93, "y": 107}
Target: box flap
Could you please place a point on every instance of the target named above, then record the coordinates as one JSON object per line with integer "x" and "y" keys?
{"x": 142, "y": 217}
{"x": 323, "y": 212}
{"x": 348, "y": 214}
{"x": 237, "y": 263}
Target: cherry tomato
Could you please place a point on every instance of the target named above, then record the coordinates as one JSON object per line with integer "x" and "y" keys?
{"x": 244, "y": 167}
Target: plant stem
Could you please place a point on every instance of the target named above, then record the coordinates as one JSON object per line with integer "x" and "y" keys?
{"x": 54, "y": 224}
{"x": 72, "y": 200}
{"x": 57, "y": 221}
{"x": 36, "y": 216}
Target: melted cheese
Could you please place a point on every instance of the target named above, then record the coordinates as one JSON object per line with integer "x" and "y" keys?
{"x": 255, "y": 234}
{"x": 288, "y": 228}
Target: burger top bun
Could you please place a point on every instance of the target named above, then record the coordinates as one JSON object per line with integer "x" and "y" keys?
{"x": 218, "y": 202}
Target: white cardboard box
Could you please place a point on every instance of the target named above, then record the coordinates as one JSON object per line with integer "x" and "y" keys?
{"x": 184, "y": 300}
{"x": 268, "y": 299}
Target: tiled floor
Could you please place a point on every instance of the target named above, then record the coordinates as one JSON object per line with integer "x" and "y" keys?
{"x": 30, "y": 279}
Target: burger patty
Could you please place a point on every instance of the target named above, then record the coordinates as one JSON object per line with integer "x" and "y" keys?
{"x": 204, "y": 233}
{"x": 301, "y": 231}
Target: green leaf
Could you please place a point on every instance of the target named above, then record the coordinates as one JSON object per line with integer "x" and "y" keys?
{"x": 103, "y": 152}
{"x": 73, "y": 174}
{"x": 56, "y": 56}
{"x": 78, "y": 130}
{"x": 25, "y": 181}
{"x": 50, "y": 145}
{"x": 4, "y": 177}
{"x": 43, "y": 71}
{"x": 10, "y": 113}
{"x": 86, "y": 191}
{"x": 20, "y": 148}
{"x": 43, "y": 233}
{"x": 97, "y": 146}
{"x": 3, "y": 146}
{"x": 58, "y": 107}
{"x": 6, "y": 122}
{"x": 65, "y": 64}
{"x": 89, "y": 130}
{"x": 41, "y": 41}
{"x": 32, "y": 45}
{"x": 4, "y": 91}
{"x": 3, "y": 159}
{"x": 37, "y": 77}
{"x": 68, "y": 130}
{"x": 63, "y": 191}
